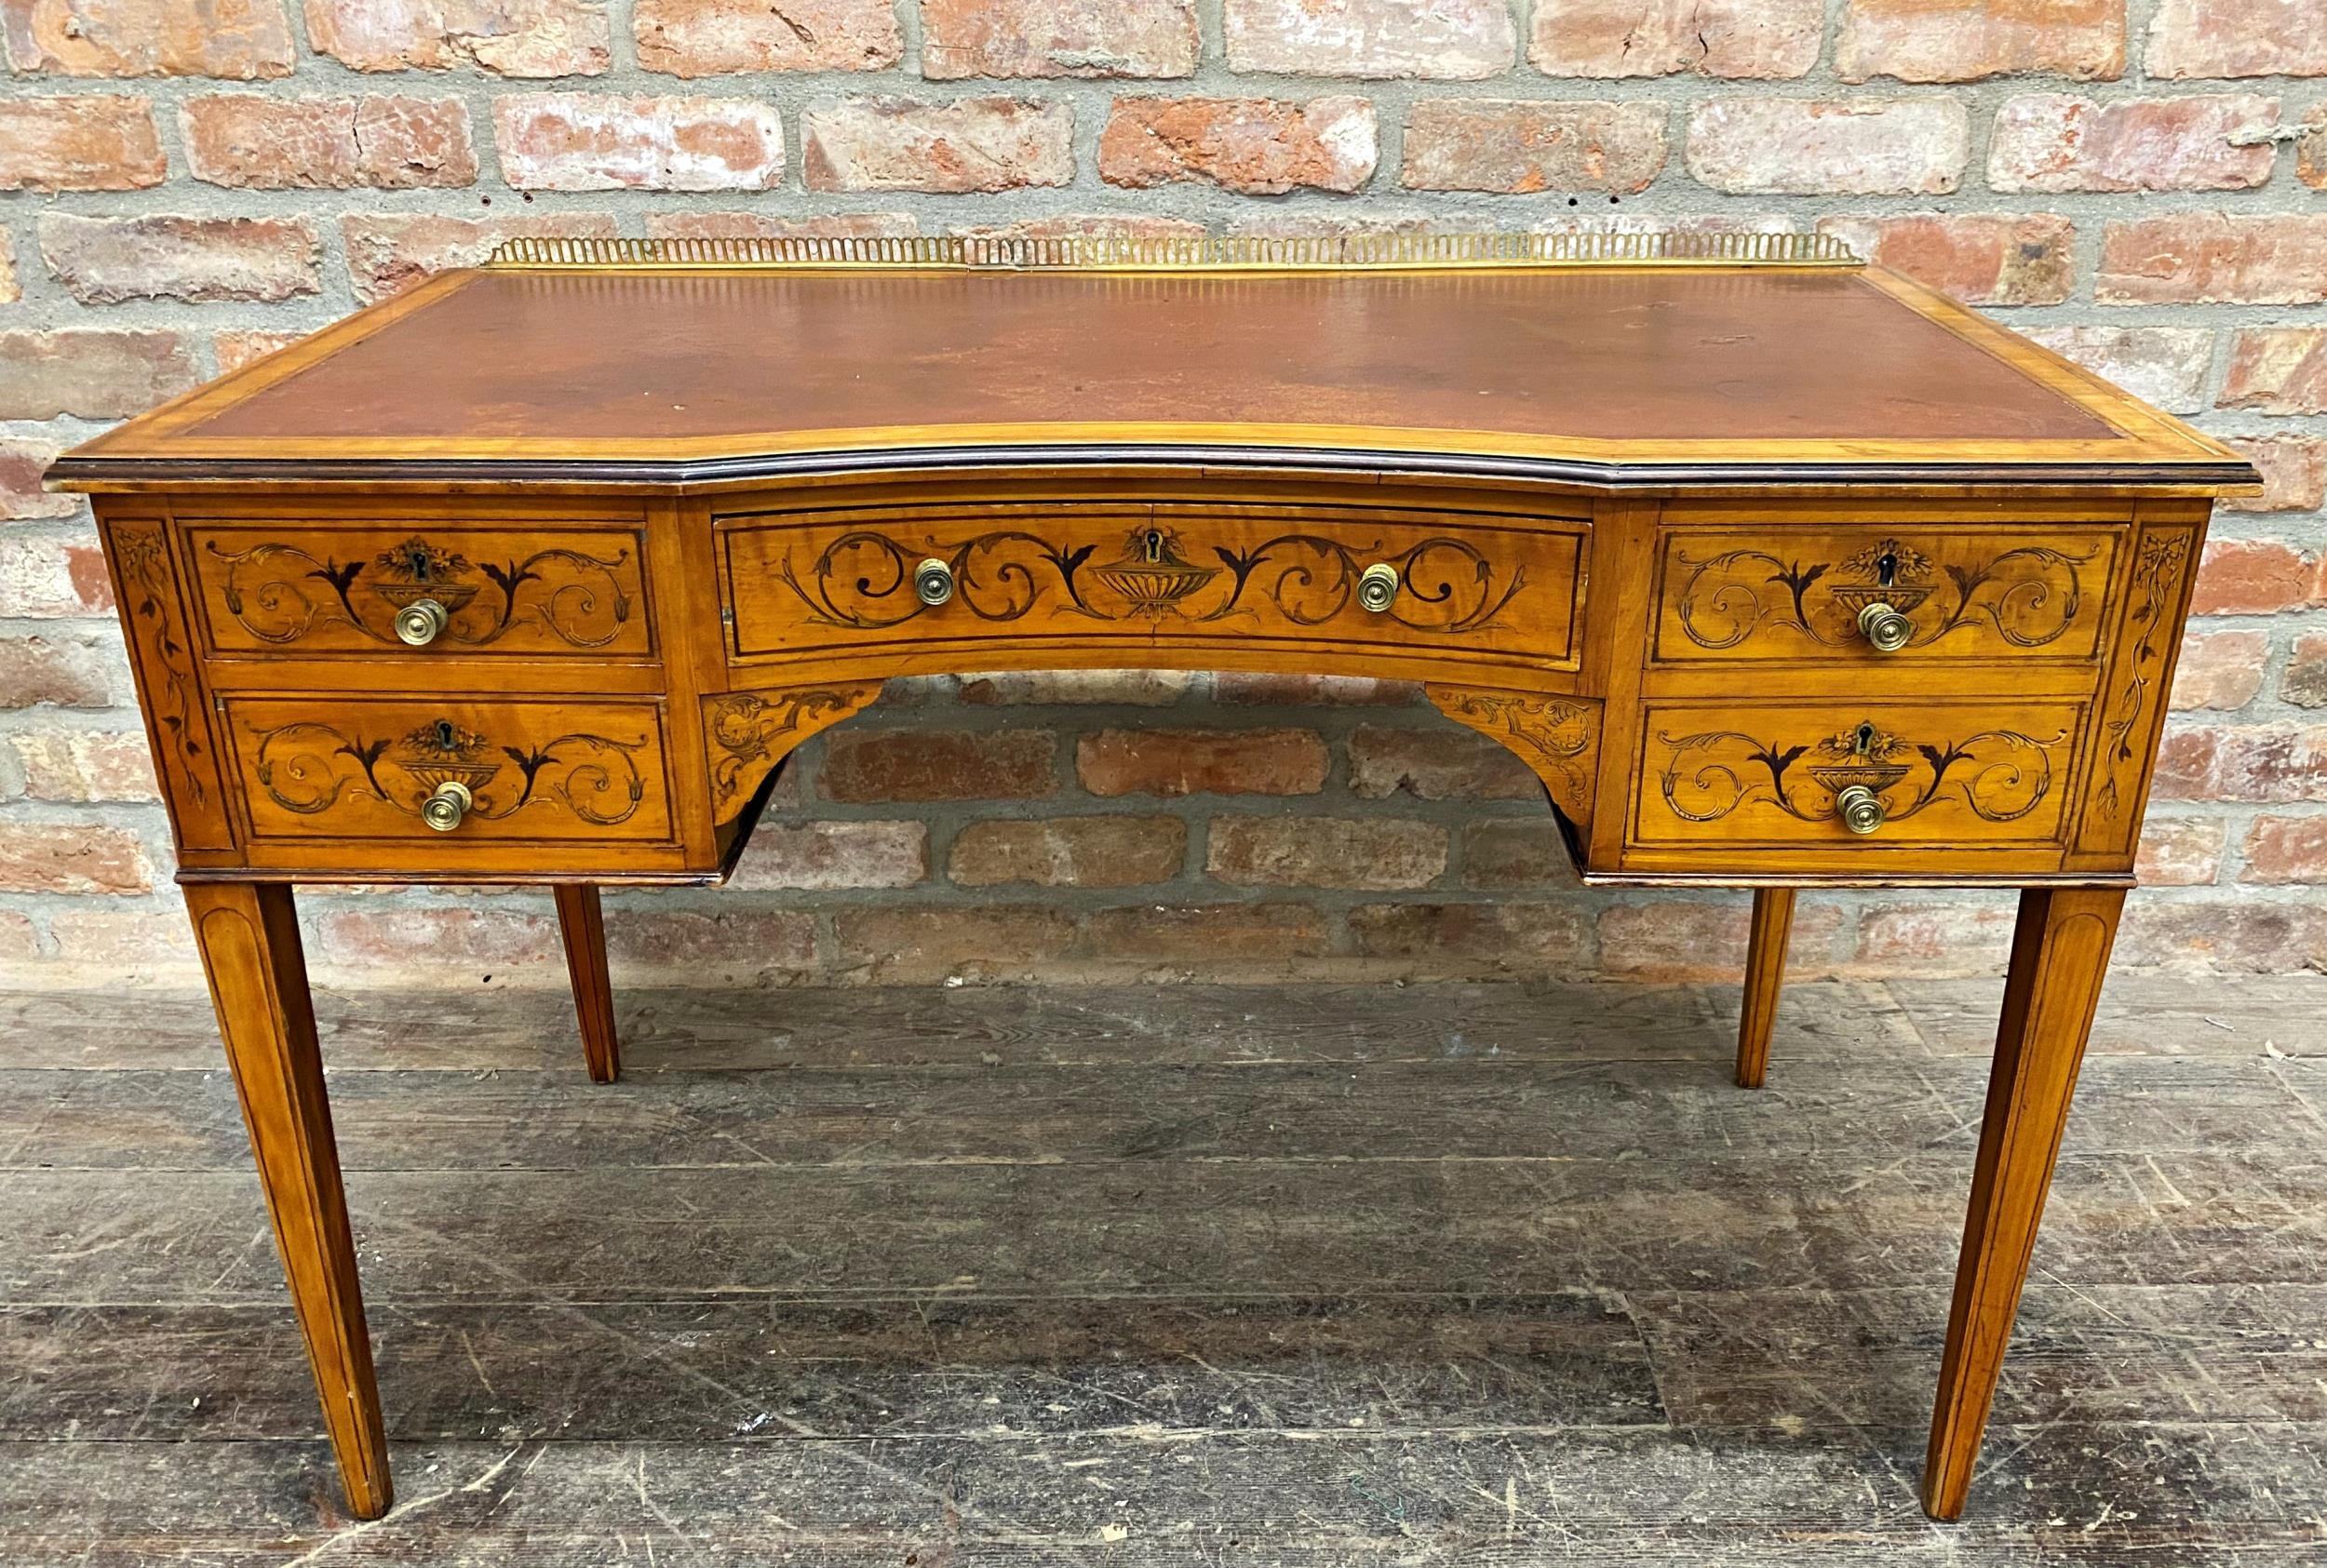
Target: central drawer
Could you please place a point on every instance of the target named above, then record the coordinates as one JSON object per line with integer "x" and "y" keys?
{"x": 802, "y": 584}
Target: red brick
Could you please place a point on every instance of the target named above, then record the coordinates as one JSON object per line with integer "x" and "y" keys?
{"x": 2286, "y": 850}
{"x": 382, "y": 141}
{"x": 1955, "y": 936}
{"x": 2310, "y": 153}
{"x": 1256, "y": 146}
{"x": 1674, "y": 940}
{"x": 823, "y": 856}
{"x": 130, "y": 941}
{"x": 460, "y": 940}
{"x": 2270, "y": 762}
{"x": 1058, "y": 38}
{"x": 84, "y": 765}
{"x": 1796, "y": 146}
{"x": 757, "y": 225}
{"x": 1145, "y": 689}
{"x": 939, "y": 765}
{"x": 2186, "y": 764}
{"x": 1730, "y": 38}
{"x": 2220, "y": 669}
{"x": 389, "y": 252}
{"x": 1105, "y": 226}
{"x": 1322, "y": 690}
{"x": 1374, "y": 853}
{"x": 2056, "y": 142}
{"x": 2304, "y": 683}
{"x": 2214, "y": 257}
{"x": 1474, "y": 939}
{"x": 236, "y": 349}
{"x": 43, "y": 577}
{"x": 92, "y": 143}
{"x": 2167, "y": 366}
{"x": 2247, "y": 935}
{"x": 2181, "y": 852}
{"x": 1484, "y": 144}
{"x": 1176, "y": 762}
{"x": 1437, "y": 764}
{"x": 1515, "y": 853}
{"x": 2252, "y": 577}
{"x": 916, "y": 946}
{"x": 22, "y": 465}
{"x": 1215, "y": 937}
{"x": 2294, "y": 473}
{"x": 706, "y": 38}
{"x": 2238, "y": 38}
{"x": 700, "y": 945}
{"x": 2278, "y": 370}
{"x": 507, "y": 37}
{"x": 590, "y": 141}
{"x": 71, "y": 857}
{"x": 238, "y": 38}
{"x": 52, "y": 671}
{"x": 1444, "y": 40}
{"x": 2019, "y": 258}
{"x": 962, "y": 145}
{"x": 1070, "y": 852}
{"x": 1964, "y": 40}
{"x": 106, "y": 260}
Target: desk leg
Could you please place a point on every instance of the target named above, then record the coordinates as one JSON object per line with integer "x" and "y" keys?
{"x": 249, "y": 940}
{"x": 585, "y": 931}
{"x": 2059, "y": 955}
{"x": 1765, "y": 976}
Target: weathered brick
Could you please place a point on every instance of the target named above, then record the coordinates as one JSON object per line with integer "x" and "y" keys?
{"x": 2220, "y": 669}
{"x": 2181, "y": 852}
{"x": 1964, "y": 40}
{"x": 1216, "y": 936}
{"x": 1372, "y": 853}
{"x": 939, "y": 765}
{"x": 966, "y": 144}
{"x": 384, "y": 141}
{"x": 1995, "y": 259}
{"x": 1515, "y": 853}
{"x": 106, "y": 260}
{"x": 707, "y": 38}
{"x": 916, "y": 945}
{"x": 2278, "y": 370}
{"x": 2237, "y": 38}
{"x": 1483, "y": 144}
{"x": 2310, "y": 153}
{"x": 60, "y": 671}
{"x": 2252, "y": 577}
{"x": 22, "y": 465}
{"x": 2294, "y": 473}
{"x": 1070, "y": 852}
{"x": 2286, "y": 850}
{"x": 71, "y": 857}
{"x": 2166, "y": 366}
{"x": 1145, "y": 689}
{"x": 1321, "y": 690}
{"x": 1176, "y": 762}
{"x": 19, "y": 944}
{"x": 507, "y": 37}
{"x": 2214, "y": 257}
{"x": 1437, "y": 764}
{"x": 759, "y": 225}
{"x": 824, "y": 856}
{"x": 2057, "y": 142}
{"x": 133, "y": 940}
{"x": 698, "y": 945}
{"x": 1445, "y": 40}
{"x": 1730, "y": 38}
{"x": 84, "y": 764}
{"x": 588, "y": 142}
{"x": 1109, "y": 226}
{"x": 1058, "y": 38}
{"x": 1793, "y": 146}
{"x": 388, "y": 252}
{"x": 1498, "y": 936}
{"x": 2270, "y": 762}
{"x": 1256, "y": 146}
{"x": 470, "y": 939}
{"x": 1669, "y": 940}
{"x": 2304, "y": 685}
{"x": 2247, "y": 935}
{"x": 90, "y": 142}
{"x": 237, "y": 39}
{"x": 1953, "y": 936}
{"x": 236, "y": 349}
{"x": 2186, "y": 764}
{"x": 43, "y": 578}
{"x": 10, "y": 290}
{"x": 91, "y": 373}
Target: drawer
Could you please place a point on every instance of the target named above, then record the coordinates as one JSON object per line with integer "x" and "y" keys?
{"x": 809, "y": 583}
{"x": 1967, "y": 592}
{"x": 311, "y": 588}
{"x": 547, "y": 771}
{"x": 1968, "y": 774}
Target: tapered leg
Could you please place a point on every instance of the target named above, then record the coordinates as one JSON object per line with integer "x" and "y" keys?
{"x": 2059, "y": 954}
{"x": 249, "y": 940}
{"x": 1765, "y": 976}
{"x": 585, "y": 931}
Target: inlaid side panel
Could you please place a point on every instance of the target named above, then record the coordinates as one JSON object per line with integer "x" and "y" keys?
{"x": 746, "y": 733}
{"x": 161, "y": 647}
{"x": 2135, "y": 691}
{"x": 1558, "y": 737}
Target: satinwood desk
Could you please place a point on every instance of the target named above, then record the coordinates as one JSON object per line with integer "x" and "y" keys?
{"x": 1778, "y": 570}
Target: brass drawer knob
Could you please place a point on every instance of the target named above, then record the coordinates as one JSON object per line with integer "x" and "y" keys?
{"x": 1377, "y": 585}
{"x": 1885, "y": 627}
{"x": 933, "y": 582}
{"x": 1859, "y": 809}
{"x": 445, "y": 805}
{"x": 420, "y": 622}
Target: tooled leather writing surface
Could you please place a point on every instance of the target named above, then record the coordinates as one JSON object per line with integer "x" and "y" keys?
{"x": 1616, "y": 355}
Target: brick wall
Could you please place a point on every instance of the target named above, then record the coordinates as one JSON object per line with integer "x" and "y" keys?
{"x": 2141, "y": 183}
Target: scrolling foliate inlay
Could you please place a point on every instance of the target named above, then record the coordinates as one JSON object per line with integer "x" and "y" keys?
{"x": 749, "y": 732}
{"x": 2029, "y": 597}
{"x": 309, "y": 768}
{"x": 2001, "y": 775}
{"x": 279, "y": 593}
{"x": 172, "y": 693}
{"x": 1558, "y": 737}
{"x": 2157, "y": 590}
{"x": 863, "y": 580}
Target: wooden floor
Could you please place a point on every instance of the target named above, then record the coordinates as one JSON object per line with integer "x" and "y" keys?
{"x": 1493, "y": 1275}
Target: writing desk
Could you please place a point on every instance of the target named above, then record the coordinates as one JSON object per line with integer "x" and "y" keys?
{"x": 1778, "y": 571}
